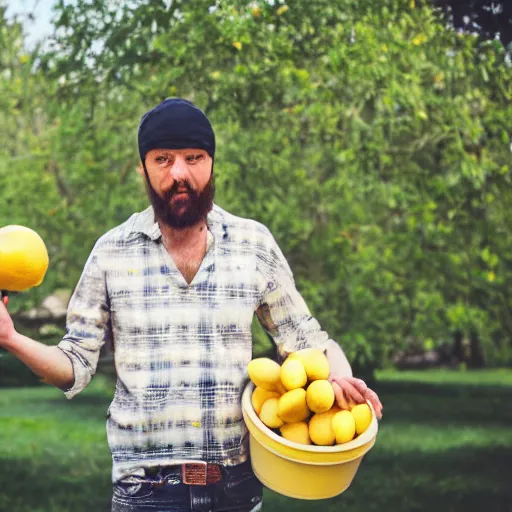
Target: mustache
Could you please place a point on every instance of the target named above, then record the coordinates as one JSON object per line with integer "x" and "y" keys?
{"x": 180, "y": 186}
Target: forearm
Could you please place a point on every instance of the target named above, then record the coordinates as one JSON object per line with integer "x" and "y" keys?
{"x": 49, "y": 362}
{"x": 338, "y": 362}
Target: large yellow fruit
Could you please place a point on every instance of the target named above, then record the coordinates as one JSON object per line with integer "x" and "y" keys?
{"x": 23, "y": 258}
{"x": 268, "y": 414}
{"x": 293, "y": 407}
{"x": 362, "y": 416}
{"x": 265, "y": 373}
{"x": 320, "y": 396}
{"x": 344, "y": 426}
{"x": 320, "y": 428}
{"x": 260, "y": 395}
{"x": 315, "y": 363}
{"x": 293, "y": 374}
{"x": 297, "y": 432}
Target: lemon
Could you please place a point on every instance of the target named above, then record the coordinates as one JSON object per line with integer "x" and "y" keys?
{"x": 344, "y": 426}
{"x": 265, "y": 373}
{"x": 292, "y": 406}
{"x": 293, "y": 374}
{"x": 320, "y": 428}
{"x": 315, "y": 363}
{"x": 259, "y": 396}
{"x": 23, "y": 258}
{"x": 320, "y": 396}
{"x": 279, "y": 388}
{"x": 362, "y": 416}
{"x": 297, "y": 432}
{"x": 268, "y": 413}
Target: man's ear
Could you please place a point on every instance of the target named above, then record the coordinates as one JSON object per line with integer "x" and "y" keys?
{"x": 140, "y": 169}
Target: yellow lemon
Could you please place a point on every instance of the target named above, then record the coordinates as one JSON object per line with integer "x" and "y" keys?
{"x": 23, "y": 258}
{"x": 268, "y": 414}
{"x": 300, "y": 354}
{"x": 292, "y": 406}
{"x": 362, "y": 416}
{"x": 297, "y": 432}
{"x": 279, "y": 388}
{"x": 293, "y": 374}
{"x": 320, "y": 396}
{"x": 259, "y": 396}
{"x": 320, "y": 428}
{"x": 315, "y": 363}
{"x": 265, "y": 373}
{"x": 344, "y": 426}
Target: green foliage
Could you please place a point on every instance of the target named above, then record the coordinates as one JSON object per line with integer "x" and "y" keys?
{"x": 14, "y": 373}
{"x": 372, "y": 140}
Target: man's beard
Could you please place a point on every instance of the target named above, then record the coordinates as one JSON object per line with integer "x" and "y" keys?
{"x": 183, "y": 212}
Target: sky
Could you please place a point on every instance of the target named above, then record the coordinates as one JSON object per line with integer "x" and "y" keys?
{"x": 41, "y": 9}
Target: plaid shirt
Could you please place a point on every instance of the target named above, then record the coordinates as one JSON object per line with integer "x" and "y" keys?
{"x": 181, "y": 350}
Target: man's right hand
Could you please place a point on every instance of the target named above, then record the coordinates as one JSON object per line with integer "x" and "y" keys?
{"x": 7, "y": 330}
{"x": 49, "y": 362}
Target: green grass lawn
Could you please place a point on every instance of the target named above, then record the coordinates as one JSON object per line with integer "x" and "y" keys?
{"x": 445, "y": 444}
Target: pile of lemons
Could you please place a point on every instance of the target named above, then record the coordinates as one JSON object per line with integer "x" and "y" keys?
{"x": 298, "y": 399}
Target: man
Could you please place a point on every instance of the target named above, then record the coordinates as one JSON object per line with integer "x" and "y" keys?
{"x": 175, "y": 288}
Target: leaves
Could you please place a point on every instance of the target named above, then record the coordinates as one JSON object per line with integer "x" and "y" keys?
{"x": 373, "y": 141}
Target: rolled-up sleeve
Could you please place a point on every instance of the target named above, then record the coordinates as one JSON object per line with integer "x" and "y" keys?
{"x": 282, "y": 311}
{"x": 87, "y": 324}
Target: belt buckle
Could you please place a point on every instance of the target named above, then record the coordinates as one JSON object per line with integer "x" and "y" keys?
{"x": 194, "y": 473}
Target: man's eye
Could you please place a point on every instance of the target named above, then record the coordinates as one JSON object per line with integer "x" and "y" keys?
{"x": 160, "y": 159}
{"x": 195, "y": 158}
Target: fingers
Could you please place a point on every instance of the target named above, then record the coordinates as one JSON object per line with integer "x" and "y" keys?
{"x": 359, "y": 384}
{"x": 340, "y": 395}
{"x": 368, "y": 394}
{"x": 374, "y": 400}
{"x": 350, "y": 391}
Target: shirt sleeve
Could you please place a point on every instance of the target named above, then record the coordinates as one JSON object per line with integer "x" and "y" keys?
{"x": 282, "y": 311}
{"x": 87, "y": 324}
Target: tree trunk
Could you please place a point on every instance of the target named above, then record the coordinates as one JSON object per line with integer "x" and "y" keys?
{"x": 476, "y": 357}
{"x": 458, "y": 347}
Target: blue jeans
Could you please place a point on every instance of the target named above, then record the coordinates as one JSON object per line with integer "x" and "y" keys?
{"x": 238, "y": 491}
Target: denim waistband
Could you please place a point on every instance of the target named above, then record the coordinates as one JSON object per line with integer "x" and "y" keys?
{"x": 172, "y": 473}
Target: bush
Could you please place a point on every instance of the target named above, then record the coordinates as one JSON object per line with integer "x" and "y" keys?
{"x": 14, "y": 373}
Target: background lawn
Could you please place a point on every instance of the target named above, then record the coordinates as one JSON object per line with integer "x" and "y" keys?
{"x": 445, "y": 444}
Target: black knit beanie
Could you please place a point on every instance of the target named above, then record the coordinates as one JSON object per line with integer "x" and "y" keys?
{"x": 175, "y": 123}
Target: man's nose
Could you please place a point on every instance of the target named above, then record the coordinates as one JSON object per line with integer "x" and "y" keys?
{"x": 179, "y": 169}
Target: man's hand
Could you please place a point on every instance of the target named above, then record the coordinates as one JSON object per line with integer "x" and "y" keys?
{"x": 6, "y": 324}
{"x": 349, "y": 391}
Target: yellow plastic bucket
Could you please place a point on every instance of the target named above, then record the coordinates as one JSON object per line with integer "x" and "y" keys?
{"x": 302, "y": 471}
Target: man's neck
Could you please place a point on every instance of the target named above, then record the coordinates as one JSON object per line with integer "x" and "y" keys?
{"x": 177, "y": 238}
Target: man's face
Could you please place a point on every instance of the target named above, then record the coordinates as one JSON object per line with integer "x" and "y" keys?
{"x": 180, "y": 186}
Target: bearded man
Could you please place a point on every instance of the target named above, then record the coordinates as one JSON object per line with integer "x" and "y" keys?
{"x": 174, "y": 289}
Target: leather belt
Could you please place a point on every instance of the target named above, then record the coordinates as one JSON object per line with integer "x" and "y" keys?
{"x": 200, "y": 473}
{"x": 192, "y": 473}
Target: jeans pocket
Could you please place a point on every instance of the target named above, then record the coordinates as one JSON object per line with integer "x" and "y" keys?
{"x": 133, "y": 491}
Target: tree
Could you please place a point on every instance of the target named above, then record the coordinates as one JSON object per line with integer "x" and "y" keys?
{"x": 370, "y": 138}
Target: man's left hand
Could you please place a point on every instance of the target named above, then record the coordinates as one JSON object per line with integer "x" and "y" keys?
{"x": 350, "y": 391}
